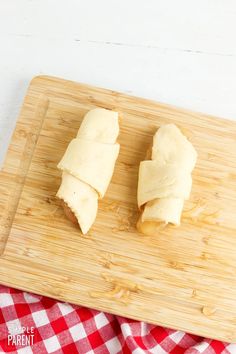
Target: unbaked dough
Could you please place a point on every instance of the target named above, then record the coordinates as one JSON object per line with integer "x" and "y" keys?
{"x": 165, "y": 181}
{"x": 88, "y": 165}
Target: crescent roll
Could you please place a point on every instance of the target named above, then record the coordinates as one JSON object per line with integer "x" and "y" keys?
{"x": 88, "y": 164}
{"x": 165, "y": 181}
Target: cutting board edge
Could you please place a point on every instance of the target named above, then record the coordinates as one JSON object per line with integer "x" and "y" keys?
{"x": 145, "y": 101}
{"x": 102, "y": 308}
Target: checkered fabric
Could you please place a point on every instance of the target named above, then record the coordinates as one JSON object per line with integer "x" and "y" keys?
{"x": 36, "y": 324}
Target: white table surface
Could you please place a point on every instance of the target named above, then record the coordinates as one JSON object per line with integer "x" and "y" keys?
{"x": 180, "y": 52}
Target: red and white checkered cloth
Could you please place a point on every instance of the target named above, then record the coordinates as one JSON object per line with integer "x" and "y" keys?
{"x": 50, "y": 326}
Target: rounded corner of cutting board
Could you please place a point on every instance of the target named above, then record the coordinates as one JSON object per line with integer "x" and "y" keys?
{"x": 55, "y": 89}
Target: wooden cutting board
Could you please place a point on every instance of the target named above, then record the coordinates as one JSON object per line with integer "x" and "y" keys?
{"x": 184, "y": 278}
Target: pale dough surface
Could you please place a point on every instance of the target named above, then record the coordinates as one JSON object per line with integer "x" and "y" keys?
{"x": 80, "y": 198}
{"x": 162, "y": 180}
{"x": 100, "y": 125}
{"x": 90, "y": 161}
{"x": 88, "y": 165}
{"x": 171, "y": 146}
{"x": 165, "y": 181}
{"x": 165, "y": 209}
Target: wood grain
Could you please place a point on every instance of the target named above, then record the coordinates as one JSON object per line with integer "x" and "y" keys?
{"x": 184, "y": 278}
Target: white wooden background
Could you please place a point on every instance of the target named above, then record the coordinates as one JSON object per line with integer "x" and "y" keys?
{"x": 181, "y": 52}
